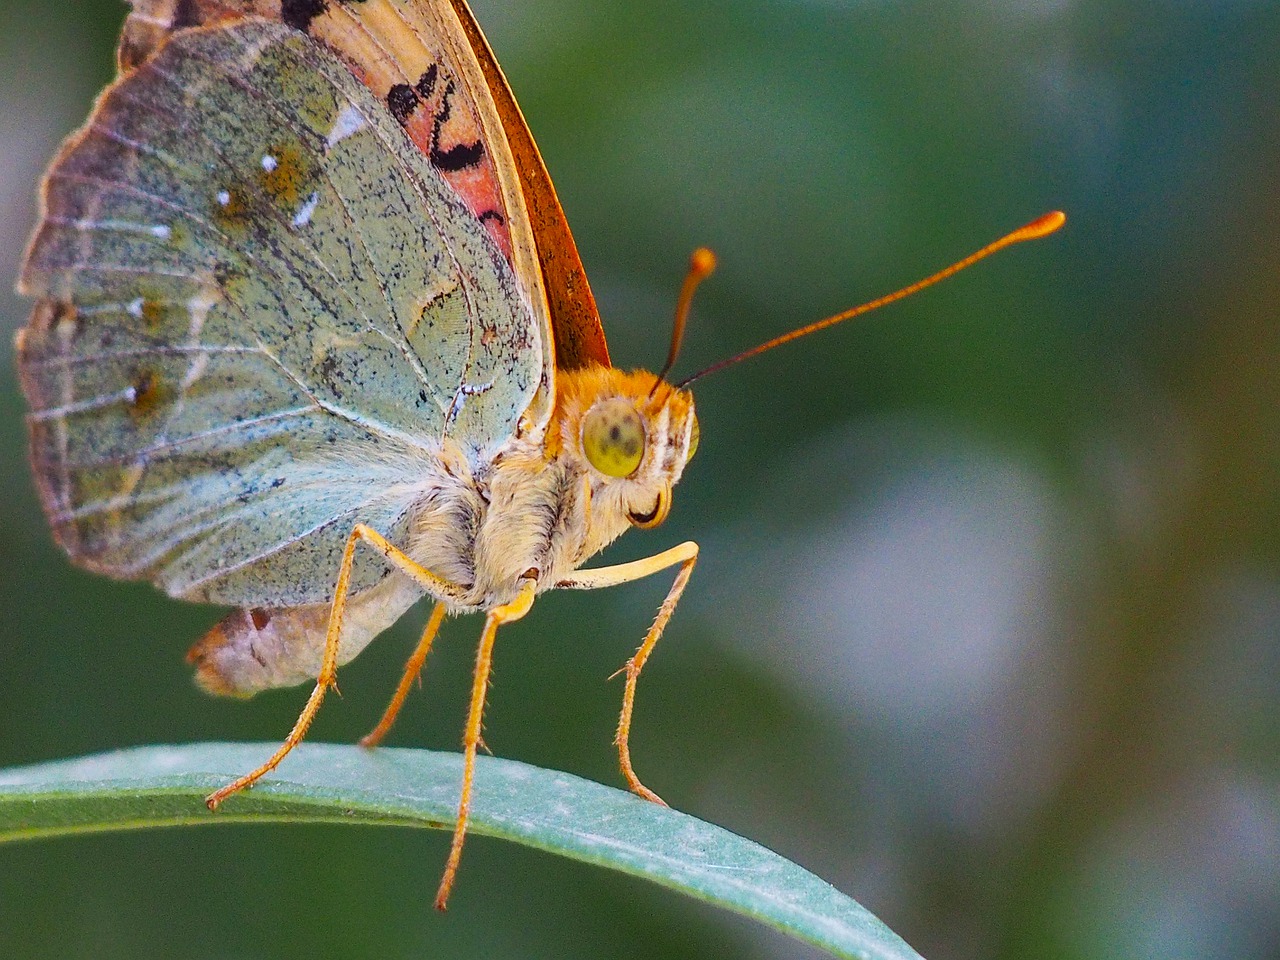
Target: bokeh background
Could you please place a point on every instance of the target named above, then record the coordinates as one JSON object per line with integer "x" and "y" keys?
{"x": 986, "y": 629}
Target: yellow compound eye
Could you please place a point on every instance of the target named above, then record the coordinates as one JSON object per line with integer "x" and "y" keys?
{"x": 613, "y": 437}
{"x": 694, "y": 436}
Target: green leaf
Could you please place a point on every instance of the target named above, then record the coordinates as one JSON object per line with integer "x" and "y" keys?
{"x": 546, "y": 809}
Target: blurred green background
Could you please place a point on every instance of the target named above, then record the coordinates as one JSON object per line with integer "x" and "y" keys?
{"x": 986, "y": 629}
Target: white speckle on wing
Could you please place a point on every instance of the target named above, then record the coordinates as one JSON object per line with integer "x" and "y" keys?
{"x": 87, "y": 224}
{"x": 134, "y": 308}
{"x": 224, "y": 198}
{"x": 195, "y": 371}
{"x": 269, "y": 162}
{"x": 303, "y": 216}
{"x": 199, "y": 306}
{"x": 349, "y": 120}
{"x": 466, "y": 390}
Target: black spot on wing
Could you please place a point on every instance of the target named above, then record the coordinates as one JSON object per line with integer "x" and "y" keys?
{"x": 446, "y": 109}
{"x": 457, "y": 157}
{"x": 402, "y": 100}
{"x": 299, "y": 13}
{"x": 493, "y": 215}
{"x": 460, "y": 156}
{"x": 426, "y": 84}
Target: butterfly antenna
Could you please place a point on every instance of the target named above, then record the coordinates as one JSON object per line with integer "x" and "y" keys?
{"x": 702, "y": 263}
{"x": 1040, "y": 227}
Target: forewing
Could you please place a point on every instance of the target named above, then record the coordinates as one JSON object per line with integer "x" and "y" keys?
{"x": 428, "y": 64}
{"x": 261, "y": 312}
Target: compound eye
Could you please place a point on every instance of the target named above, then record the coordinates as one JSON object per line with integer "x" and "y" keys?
{"x": 613, "y": 437}
{"x": 695, "y": 435}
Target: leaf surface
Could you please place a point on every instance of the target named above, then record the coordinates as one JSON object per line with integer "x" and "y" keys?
{"x": 546, "y": 809}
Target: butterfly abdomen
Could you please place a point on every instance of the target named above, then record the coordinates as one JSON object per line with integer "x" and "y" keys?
{"x": 249, "y": 651}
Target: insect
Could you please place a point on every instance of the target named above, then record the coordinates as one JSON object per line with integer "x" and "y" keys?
{"x": 312, "y": 339}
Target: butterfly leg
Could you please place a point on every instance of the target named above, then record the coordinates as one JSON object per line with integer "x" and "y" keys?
{"x": 686, "y": 555}
{"x": 412, "y": 671}
{"x": 506, "y": 613}
{"x": 329, "y": 662}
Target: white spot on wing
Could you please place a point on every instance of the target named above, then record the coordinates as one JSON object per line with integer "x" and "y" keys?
{"x": 86, "y": 224}
{"x": 269, "y": 162}
{"x": 195, "y": 371}
{"x": 350, "y": 120}
{"x": 464, "y": 391}
{"x": 199, "y": 306}
{"x": 134, "y": 308}
{"x": 303, "y": 216}
{"x": 224, "y": 198}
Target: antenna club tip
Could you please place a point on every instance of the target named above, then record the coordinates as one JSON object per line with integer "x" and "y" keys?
{"x": 702, "y": 262}
{"x": 1043, "y": 226}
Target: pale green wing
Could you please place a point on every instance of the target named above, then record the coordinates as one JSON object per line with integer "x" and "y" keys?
{"x": 261, "y": 312}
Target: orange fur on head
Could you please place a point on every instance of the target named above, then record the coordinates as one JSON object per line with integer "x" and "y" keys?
{"x": 578, "y": 390}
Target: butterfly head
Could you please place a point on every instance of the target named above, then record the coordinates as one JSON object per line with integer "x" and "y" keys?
{"x": 629, "y": 438}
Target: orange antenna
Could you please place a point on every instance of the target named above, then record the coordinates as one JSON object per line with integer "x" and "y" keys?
{"x": 702, "y": 263}
{"x": 1040, "y": 227}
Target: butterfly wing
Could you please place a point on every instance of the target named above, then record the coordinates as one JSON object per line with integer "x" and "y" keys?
{"x": 261, "y": 308}
{"x": 479, "y": 141}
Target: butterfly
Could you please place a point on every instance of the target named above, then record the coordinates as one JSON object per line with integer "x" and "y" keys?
{"x": 312, "y": 339}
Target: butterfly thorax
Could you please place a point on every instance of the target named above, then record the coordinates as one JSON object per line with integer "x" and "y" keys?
{"x": 607, "y": 461}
